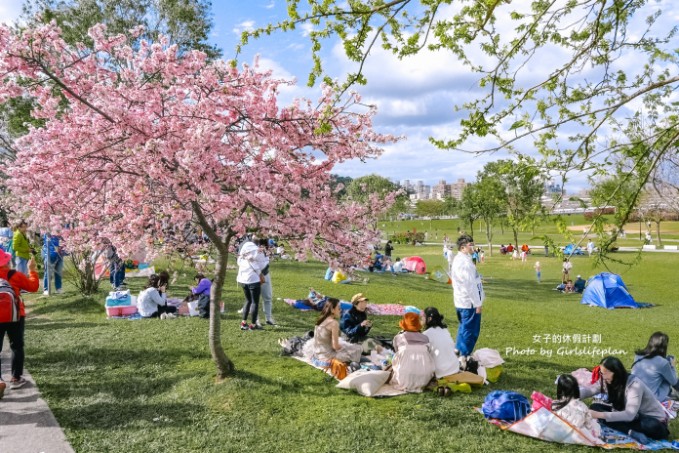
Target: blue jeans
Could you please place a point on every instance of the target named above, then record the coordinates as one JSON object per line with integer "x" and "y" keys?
{"x": 21, "y": 265}
{"x": 117, "y": 274}
{"x": 468, "y": 331}
{"x": 56, "y": 267}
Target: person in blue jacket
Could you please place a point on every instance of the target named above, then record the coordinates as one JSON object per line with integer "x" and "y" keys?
{"x": 354, "y": 323}
{"x": 53, "y": 257}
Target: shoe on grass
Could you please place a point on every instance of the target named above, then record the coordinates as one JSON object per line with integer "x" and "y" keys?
{"x": 60, "y": 291}
{"x": 46, "y": 293}
{"x": 244, "y": 325}
{"x": 256, "y": 327}
{"x": 270, "y": 322}
{"x": 17, "y": 383}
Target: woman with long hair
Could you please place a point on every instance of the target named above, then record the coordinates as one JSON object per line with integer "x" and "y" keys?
{"x": 655, "y": 368}
{"x": 632, "y": 407}
{"x": 152, "y": 301}
{"x": 327, "y": 344}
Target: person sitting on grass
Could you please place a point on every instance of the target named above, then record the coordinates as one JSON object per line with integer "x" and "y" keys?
{"x": 569, "y": 407}
{"x": 569, "y": 288}
{"x": 202, "y": 293}
{"x": 632, "y": 407}
{"x": 655, "y": 368}
{"x": 354, "y": 323}
{"x": 327, "y": 338}
{"x": 152, "y": 301}
{"x": 446, "y": 362}
{"x": 579, "y": 284}
{"x": 412, "y": 365}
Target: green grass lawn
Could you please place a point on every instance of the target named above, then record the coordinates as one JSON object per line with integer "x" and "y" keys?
{"x": 148, "y": 385}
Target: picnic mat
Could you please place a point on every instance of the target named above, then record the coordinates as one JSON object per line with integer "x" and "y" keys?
{"x": 373, "y": 309}
{"x": 385, "y": 390}
{"x": 546, "y": 425}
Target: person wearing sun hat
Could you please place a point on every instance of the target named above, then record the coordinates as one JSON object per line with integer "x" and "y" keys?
{"x": 412, "y": 366}
{"x": 354, "y": 323}
{"x": 15, "y": 330}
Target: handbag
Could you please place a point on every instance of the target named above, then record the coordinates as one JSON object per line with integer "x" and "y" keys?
{"x": 262, "y": 279}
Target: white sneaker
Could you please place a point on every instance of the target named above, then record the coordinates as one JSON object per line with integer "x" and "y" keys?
{"x": 170, "y": 315}
{"x": 163, "y": 316}
{"x": 60, "y": 291}
{"x": 46, "y": 293}
{"x": 463, "y": 363}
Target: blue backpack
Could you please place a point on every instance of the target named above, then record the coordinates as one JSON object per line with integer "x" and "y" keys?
{"x": 505, "y": 405}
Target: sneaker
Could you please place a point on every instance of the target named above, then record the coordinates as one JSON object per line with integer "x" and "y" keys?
{"x": 256, "y": 327}
{"x": 240, "y": 312}
{"x": 17, "y": 383}
{"x": 170, "y": 316}
{"x": 244, "y": 325}
{"x": 639, "y": 437}
{"x": 46, "y": 293}
{"x": 270, "y": 322}
{"x": 163, "y": 316}
{"x": 3, "y": 386}
{"x": 463, "y": 363}
{"x": 60, "y": 291}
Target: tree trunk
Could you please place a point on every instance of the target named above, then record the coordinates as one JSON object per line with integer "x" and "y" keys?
{"x": 657, "y": 232}
{"x": 489, "y": 235}
{"x": 516, "y": 237}
{"x": 224, "y": 365}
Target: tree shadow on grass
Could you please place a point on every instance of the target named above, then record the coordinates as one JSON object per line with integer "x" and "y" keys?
{"x": 56, "y": 306}
{"x": 128, "y": 415}
{"x": 42, "y": 324}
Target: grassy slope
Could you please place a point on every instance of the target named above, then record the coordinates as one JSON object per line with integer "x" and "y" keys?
{"x": 147, "y": 386}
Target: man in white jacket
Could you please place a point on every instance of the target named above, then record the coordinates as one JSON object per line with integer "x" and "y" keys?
{"x": 468, "y": 296}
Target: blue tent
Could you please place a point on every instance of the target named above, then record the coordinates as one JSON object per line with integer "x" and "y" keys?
{"x": 608, "y": 291}
{"x": 571, "y": 249}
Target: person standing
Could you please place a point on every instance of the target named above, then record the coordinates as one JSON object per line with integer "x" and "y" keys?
{"x": 15, "y": 330}
{"x": 267, "y": 288}
{"x": 468, "y": 297}
{"x": 388, "y": 248}
{"x": 22, "y": 247}
{"x": 250, "y": 279}
{"x": 538, "y": 271}
{"x": 566, "y": 270}
{"x": 116, "y": 265}
{"x": 54, "y": 262}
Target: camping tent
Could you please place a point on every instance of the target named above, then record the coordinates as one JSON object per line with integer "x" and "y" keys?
{"x": 608, "y": 291}
{"x": 415, "y": 264}
{"x": 571, "y": 249}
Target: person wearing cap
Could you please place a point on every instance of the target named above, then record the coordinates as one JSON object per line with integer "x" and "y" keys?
{"x": 412, "y": 365}
{"x": 579, "y": 284}
{"x": 354, "y": 323}
{"x": 468, "y": 297}
{"x": 15, "y": 330}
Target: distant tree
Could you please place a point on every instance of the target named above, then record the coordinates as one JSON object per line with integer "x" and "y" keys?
{"x": 186, "y": 23}
{"x": 451, "y": 205}
{"x": 360, "y": 189}
{"x": 468, "y": 210}
{"x": 336, "y": 181}
{"x": 523, "y": 184}
{"x": 492, "y": 202}
{"x": 430, "y": 208}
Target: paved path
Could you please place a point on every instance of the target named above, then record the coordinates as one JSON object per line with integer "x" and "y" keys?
{"x": 26, "y": 423}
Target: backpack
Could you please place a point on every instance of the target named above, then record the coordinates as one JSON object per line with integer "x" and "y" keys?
{"x": 505, "y": 405}
{"x": 10, "y": 309}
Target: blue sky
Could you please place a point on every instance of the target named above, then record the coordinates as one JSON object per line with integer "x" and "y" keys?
{"x": 415, "y": 97}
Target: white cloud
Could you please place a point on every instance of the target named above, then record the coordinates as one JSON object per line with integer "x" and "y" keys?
{"x": 246, "y": 25}
{"x": 270, "y": 5}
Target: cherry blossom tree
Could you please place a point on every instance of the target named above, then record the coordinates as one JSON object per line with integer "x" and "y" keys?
{"x": 140, "y": 141}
